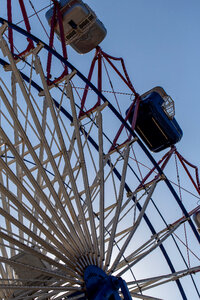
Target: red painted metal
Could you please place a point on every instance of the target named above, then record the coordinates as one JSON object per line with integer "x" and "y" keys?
{"x": 184, "y": 162}
{"x": 56, "y": 16}
{"x": 135, "y": 103}
{"x": 62, "y": 35}
{"x": 51, "y": 38}
{"x": 164, "y": 160}
{"x": 126, "y": 79}
{"x": 26, "y": 21}
{"x": 85, "y": 93}
{"x": 10, "y": 31}
{"x": 99, "y": 55}
{"x": 99, "y": 77}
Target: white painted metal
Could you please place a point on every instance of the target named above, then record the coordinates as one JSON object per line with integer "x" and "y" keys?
{"x": 62, "y": 205}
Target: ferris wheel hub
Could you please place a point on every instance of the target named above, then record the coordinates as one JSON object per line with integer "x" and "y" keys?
{"x": 101, "y": 286}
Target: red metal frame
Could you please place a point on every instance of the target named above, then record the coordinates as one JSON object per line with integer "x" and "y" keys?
{"x": 10, "y": 31}
{"x": 164, "y": 160}
{"x": 126, "y": 79}
{"x": 99, "y": 55}
{"x": 184, "y": 162}
{"x": 57, "y": 16}
{"x": 135, "y": 103}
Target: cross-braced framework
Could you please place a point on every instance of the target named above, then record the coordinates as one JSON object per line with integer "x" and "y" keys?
{"x": 69, "y": 199}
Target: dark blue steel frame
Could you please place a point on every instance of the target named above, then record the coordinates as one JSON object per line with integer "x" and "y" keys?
{"x": 126, "y": 125}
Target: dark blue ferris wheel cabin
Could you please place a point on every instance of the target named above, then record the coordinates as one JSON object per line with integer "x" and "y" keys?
{"x": 156, "y": 124}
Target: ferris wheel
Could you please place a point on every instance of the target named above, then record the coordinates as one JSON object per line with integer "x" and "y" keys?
{"x": 93, "y": 198}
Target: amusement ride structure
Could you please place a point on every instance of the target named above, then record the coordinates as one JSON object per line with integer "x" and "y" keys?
{"x": 92, "y": 198}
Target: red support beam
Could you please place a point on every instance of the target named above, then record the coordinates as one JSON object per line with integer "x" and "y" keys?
{"x": 184, "y": 162}
{"x": 85, "y": 93}
{"x": 164, "y": 160}
{"x": 10, "y": 31}
{"x": 136, "y": 104}
{"x": 57, "y": 17}
{"x": 99, "y": 55}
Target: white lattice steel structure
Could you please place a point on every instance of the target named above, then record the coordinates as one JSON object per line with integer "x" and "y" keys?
{"x": 67, "y": 202}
